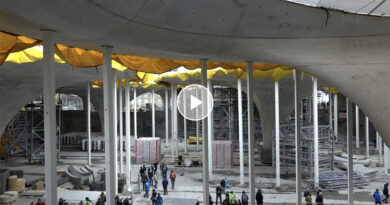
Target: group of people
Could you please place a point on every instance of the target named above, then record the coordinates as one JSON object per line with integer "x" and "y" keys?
{"x": 230, "y": 198}
{"x": 377, "y": 195}
{"x": 319, "y": 197}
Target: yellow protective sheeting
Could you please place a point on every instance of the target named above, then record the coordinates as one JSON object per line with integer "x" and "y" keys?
{"x": 11, "y": 43}
{"x": 332, "y": 90}
{"x": 79, "y": 57}
{"x": 133, "y": 83}
{"x": 276, "y": 74}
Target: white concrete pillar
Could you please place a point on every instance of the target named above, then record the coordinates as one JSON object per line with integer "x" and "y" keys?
{"x": 210, "y": 127}
{"x": 185, "y": 124}
{"x": 315, "y": 128}
{"x": 277, "y": 134}
{"x": 367, "y": 138}
{"x": 387, "y": 159}
{"x": 166, "y": 117}
{"x": 89, "y": 122}
{"x": 240, "y": 130}
{"x": 205, "y": 141}
{"x": 116, "y": 129}
{"x": 175, "y": 123}
{"x": 350, "y": 152}
{"x": 336, "y": 116}
{"x": 173, "y": 90}
{"x": 380, "y": 148}
{"x": 197, "y": 135}
{"x": 357, "y": 125}
{"x": 251, "y": 136}
{"x": 109, "y": 129}
{"x": 330, "y": 111}
{"x": 135, "y": 113}
{"x": 120, "y": 127}
{"x": 128, "y": 140}
{"x": 153, "y": 116}
{"x": 298, "y": 156}
{"x": 50, "y": 125}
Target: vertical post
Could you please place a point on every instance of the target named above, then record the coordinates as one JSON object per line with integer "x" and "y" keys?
{"x": 109, "y": 131}
{"x": 336, "y": 116}
{"x": 135, "y": 113}
{"x": 175, "y": 120}
{"x": 197, "y": 126}
{"x": 185, "y": 123}
{"x": 153, "y": 116}
{"x": 298, "y": 156}
{"x": 210, "y": 125}
{"x": 330, "y": 111}
{"x": 387, "y": 159}
{"x": 357, "y": 125}
{"x": 59, "y": 132}
{"x": 116, "y": 130}
{"x": 251, "y": 141}
{"x": 350, "y": 154}
{"x": 120, "y": 127}
{"x": 367, "y": 138}
{"x": 240, "y": 130}
{"x": 277, "y": 130}
{"x": 128, "y": 140}
{"x": 166, "y": 117}
{"x": 205, "y": 141}
{"x": 89, "y": 122}
{"x": 49, "y": 86}
{"x": 380, "y": 148}
{"x": 173, "y": 133}
{"x": 315, "y": 128}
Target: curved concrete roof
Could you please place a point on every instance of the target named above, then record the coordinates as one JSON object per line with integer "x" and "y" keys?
{"x": 346, "y": 50}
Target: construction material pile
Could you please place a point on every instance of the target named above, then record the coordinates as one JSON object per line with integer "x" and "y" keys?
{"x": 333, "y": 180}
{"x": 16, "y": 184}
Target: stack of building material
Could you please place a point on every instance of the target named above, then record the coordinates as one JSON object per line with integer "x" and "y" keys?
{"x": 147, "y": 150}
{"x": 8, "y": 197}
{"x": 38, "y": 186}
{"x": 4, "y": 174}
{"x": 334, "y": 180}
{"x": 222, "y": 152}
{"x": 16, "y": 184}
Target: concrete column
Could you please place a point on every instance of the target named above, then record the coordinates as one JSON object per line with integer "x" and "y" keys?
{"x": 120, "y": 127}
{"x": 49, "y": 103}
{"x": 367, "y": 138}
{"x": 185, "y": 124}
{"x": 197, "y": 135}
{"x": 298, "y": 155}
{"x": 240, "y": 130}
{"x": 205, "y": 141}
{"x": 109, "y": 129}
{"x": 357, "y": 125}
{"x": 89, "y": 121}
{"x": 166, "y": 117}
{"x": 153, "y": 116}
{"x": 330, "y": 111}
{"x": 277, "y": 135}
{"x": 380, "y": 148}
{"x": 251, "y": 136}
{"x": 173, "y": 90}
{"x": 315, "y": 128}
{"x": 210, "y": 125}
{"x": 135, "y": 113}
{"x": 336, "y": 116}
{"x": 387, "y": 159}
{"x": 128, "y": 140}
{"x": 116, "y": 129}
{"x": 350, "y": 152}
{"x": 175, "y": 122}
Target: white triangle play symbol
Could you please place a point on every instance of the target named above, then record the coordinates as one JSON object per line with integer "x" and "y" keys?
{"x": 195, "y": 102}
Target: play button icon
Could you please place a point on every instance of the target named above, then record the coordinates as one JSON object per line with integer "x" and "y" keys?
{"x": 195, "y": 102}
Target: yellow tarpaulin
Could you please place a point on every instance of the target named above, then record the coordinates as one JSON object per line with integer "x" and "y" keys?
{"x": 11, "y": 43}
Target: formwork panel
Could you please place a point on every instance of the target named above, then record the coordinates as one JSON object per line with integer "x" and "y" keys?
{"x": 147, "y": 150}
{"x": 222, "y": 152}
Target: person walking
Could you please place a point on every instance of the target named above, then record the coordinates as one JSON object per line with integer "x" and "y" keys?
{"x": 61, "y": 202}
{"x": 87, "y": 201}
{"x": 223, "y": 185}
{"x": 226, "y": 183}
{"x": 172, "y": 176}
{"x": 308, "y": 199}
{"x": 232, "y": 198}
{"x": 159, "y": 200}
{"x": 244, "y": 198}
{"x": 155, "y": 179}
{"x": 386, "y": 192}
{"x": 154, "y": 197}
{"x": 377, "y": 197}
{"x": 218, "y": 192}
{"x": 147, "y": 187}
{"x": 165, "y": 185}
{"x": 162, "y": 165}
{"x": 259, "y": 197}
{"x": 165, "y": 171}
{"x": 320, "y": 199}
